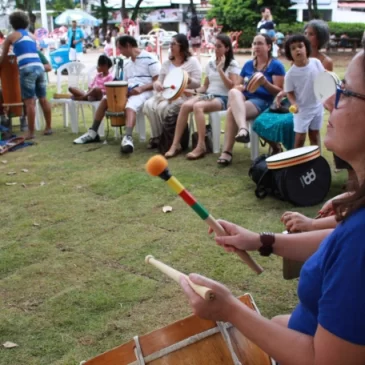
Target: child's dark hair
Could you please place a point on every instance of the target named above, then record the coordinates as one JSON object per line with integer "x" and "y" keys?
{"x": 297, "y": 38}
{"x": 105, "y": 61}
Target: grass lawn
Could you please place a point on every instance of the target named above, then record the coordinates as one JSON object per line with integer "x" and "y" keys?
{"x": 76, "y": 228}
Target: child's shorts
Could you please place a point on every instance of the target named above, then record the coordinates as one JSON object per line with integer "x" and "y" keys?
{"x": 308, "y": 121}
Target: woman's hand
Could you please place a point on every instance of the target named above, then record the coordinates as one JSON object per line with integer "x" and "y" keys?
{"x": 237, "y": 238}
{"x": 220, "y": 63}
{"x": 189, "y": 92}
{"x": 158, "y": 86}
{"x": 219, "y": 309}
{"x": 296, "y": 222}
{"x": 240, "y": 87}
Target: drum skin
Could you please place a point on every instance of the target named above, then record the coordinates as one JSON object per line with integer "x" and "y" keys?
{"x": 212, "y": 350}
{"x": 10, "y": 85}
{"x": 117, "y": 96}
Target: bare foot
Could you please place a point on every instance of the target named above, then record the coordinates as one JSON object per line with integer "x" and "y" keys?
{"x": 47, "y": 132}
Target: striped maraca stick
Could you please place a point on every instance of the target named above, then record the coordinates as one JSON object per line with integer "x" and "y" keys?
{"x": 158, "y": 166}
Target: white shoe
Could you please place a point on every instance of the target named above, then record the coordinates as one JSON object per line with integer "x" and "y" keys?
{"x": 88, "y": 137}
{"x": 127, "y": 144}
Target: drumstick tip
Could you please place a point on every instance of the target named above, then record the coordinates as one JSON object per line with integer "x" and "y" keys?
{"x": 156, "y": 165}
{"x": 148, "y": 258}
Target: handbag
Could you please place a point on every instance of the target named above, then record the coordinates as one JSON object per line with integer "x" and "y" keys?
{"x": 208, "y": 139}
{"x": 282, "y": 109}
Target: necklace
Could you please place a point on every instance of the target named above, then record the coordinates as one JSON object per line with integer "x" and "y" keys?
{"x": 255, "y": 69}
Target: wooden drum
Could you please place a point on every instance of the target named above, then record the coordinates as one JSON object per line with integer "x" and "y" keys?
{"x": 192, "y": 341}
{"x": 10, "y": 84}
{"x": 117, "y": 94}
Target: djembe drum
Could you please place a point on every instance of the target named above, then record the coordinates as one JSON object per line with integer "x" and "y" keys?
{"x": 192, "y": 341}
{"x": 10, "y": 84}
{"x": 117, "y": 94}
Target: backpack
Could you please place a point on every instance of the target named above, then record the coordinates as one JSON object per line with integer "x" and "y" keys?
{"x": 263, "y": 177}
{"x": 168, "y": 131}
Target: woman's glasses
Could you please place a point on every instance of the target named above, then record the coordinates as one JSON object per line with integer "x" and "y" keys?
{"x": 174, "y": 44}
{"x": 342, "y": 91}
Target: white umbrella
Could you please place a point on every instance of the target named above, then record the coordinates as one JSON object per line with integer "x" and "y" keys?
{"x": 82, "y": 18}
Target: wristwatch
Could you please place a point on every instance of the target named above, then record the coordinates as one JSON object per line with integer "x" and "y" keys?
{"x": 267, "y": 239}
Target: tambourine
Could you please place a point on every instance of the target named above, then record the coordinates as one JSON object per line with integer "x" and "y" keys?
{"x": 254, "y": 82}
{"x": 325, "y": 85}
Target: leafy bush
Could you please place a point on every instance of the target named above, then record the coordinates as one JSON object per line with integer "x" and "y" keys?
{"x": 353, "y": 30}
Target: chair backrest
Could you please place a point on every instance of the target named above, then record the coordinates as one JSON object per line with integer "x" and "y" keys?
{"x": 74, "y": 71}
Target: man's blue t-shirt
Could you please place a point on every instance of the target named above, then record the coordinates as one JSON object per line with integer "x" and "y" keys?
{"x": 275, "y": 68}
{"x": 332, "y": 284}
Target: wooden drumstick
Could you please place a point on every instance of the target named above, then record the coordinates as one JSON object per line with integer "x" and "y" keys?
{"x": 158, "y": 166}
{"x": 203, "y": 291}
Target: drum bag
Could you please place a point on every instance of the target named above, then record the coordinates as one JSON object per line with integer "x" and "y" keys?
{"x": 305, "y": 184}
{"x": 302, "y": 185}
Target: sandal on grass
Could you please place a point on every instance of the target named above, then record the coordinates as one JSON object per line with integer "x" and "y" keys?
{"x": 223, "y": 161}
{"x": 197, "y": 153}
{"x": 242, "y": 138}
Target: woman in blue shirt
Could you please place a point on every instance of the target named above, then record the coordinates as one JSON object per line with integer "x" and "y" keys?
{"x": 328, "y": 325}
{"x": 244, "y": 105}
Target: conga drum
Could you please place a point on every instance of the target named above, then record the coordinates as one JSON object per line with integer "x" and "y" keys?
{"x": 174, "y": 84}
{"x": 117, "y": 94}
{"x": 191, "y": 341}
{"x": 302, "y": 176}
{"x": 10, "y": 84}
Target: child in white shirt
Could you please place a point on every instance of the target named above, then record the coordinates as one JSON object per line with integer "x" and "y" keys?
{"x": 299, "y": 81}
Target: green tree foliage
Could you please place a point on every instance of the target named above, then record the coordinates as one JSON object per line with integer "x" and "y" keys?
{"x": 244, "y": 14}
{"x": 61, "y": 5}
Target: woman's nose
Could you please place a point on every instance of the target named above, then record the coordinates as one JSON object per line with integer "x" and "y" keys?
{"x": 329, "y": 103}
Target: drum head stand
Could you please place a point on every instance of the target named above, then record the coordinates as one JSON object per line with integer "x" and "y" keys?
{"x": 109, "y": 114}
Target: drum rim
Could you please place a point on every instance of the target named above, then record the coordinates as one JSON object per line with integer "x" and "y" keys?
{"x": 183, "y": 85}
{"x": 294, "y": 162}
{"x": 309, "y": 149}
{"x": 331, "y": 78}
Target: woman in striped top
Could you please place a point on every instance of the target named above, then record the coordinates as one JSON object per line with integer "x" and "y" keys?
{"x": 32, "y": 74}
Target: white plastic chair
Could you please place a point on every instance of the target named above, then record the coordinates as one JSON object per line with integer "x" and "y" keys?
{"x": 74, "y": 77}
{"x": 215, "y": 122}
{"x": 85, "y": 79}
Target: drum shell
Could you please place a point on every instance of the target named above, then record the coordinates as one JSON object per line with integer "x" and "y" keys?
{"x": 117, "y": 96}
{"x": 211, "y": 350}
{"x": 10, "y": 85}
{"x": 305, "y": 184}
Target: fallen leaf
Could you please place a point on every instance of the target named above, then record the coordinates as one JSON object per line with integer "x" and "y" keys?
{"x": 167, "y": 209}
{"x": 10, "y": 184}
{"x": 42, "y": 183}
{"x": 11, "y": 173}
{"x": 36, "y": 224}
{"x": 4, "y": 161}
{"x": 25, "y": 170}
{"x": 10, "y": 345}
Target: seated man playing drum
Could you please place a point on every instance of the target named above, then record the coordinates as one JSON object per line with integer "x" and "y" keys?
{"x": 142, "y": 70}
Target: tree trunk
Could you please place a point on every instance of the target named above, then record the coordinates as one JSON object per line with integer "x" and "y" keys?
{"x": 104, "y": 17}
{"x": 136, "y": 9}
{"x": 122, "y": 9}
{"x": 310, "y": 11}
